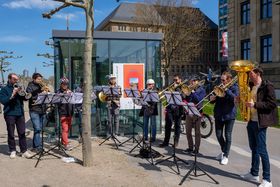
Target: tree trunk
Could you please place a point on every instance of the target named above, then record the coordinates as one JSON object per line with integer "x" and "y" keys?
{"x": 86, "y": 118}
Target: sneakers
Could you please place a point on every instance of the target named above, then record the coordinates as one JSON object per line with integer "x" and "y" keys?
{"x": 68, "y": 147}
{"x": 13, "y": 155}
{"x": 265, "y": 183}
{"x": 26, "y": 154}
{"x": 188, "y": 151}
{"x": 248, "y": 176}
{"x": 220, "y": 156}
{"x": 224, "y": 160}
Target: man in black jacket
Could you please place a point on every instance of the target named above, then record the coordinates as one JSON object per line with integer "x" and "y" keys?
{"x": 173, "y": 114}
{"x": 263, "y": 114}
{"x": 36, "y": 112}
{"x": 14, "y": 115}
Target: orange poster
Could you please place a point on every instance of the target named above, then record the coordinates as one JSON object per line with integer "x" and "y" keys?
{"x": 133, "y": 74}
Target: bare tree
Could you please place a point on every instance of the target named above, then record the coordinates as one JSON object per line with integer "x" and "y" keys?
{"x": 183, "y": 27}
{"x": 4, "y": 64}
{"x": 87, "y": 6}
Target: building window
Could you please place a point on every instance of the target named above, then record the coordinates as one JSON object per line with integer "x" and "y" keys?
{"x": 245, "y": 49}
{"x": 266, "y": 9}
{"x": 266, "y": 49}
{"x": 245, "y": 13}
{"x": 122, "y": 28}
{"x": 133, "y": 29}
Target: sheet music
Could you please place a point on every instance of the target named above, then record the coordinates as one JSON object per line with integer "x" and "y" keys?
{"x": 132, "y": 92}
{"x": 150, "y": 96}
{"x": 191, "y": 109}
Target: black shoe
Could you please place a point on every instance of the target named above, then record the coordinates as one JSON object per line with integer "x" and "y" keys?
{"x": 195, "y": 152}
{"x": 188, "y": 151}
{"x": 164, "y": 144}
{"x": 153, "y": 140}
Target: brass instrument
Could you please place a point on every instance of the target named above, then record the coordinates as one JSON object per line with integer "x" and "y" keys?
{"x": 102, "y": 97}
{"x": 187, "y": 90}
{"x": 242, "y": 67}
{"x": 219, "y": 91}
{"x": 172, "y": 87}
{"x": 22, "y": 91}
{"x": 44, "y": 86}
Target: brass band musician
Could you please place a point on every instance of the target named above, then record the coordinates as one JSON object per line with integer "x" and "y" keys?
{"x": 173, "y": 114}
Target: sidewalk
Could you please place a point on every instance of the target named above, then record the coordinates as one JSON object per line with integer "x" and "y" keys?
{"x": 119, "y": 168}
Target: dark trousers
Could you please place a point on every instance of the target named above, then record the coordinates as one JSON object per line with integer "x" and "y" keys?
{"x": 169, "y": 118}
{"x": 257, "y": 143}
{"x": 225, "y": 142}
{"x": 193, "y": 121}
{"x": 19, "y": 123}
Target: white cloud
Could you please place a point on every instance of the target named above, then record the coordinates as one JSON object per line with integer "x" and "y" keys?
{"x": 14, "y": 39}
{"x": 71, "y": 16}
{"x": 30, "y": 4}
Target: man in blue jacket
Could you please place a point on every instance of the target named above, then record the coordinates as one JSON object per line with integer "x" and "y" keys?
{"x": 225, "y": 113}
{"x": 14, "y": 115}
{"x": 193, "y": 121}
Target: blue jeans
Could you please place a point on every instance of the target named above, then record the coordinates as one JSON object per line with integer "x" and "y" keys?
{"x": 257, "y": 143}
{"x": 225, "y": 142}
{"x": 38, "y": 121}
{"x": 153, "y": 127}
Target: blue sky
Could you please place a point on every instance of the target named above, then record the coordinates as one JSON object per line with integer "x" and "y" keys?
{"x": 24, "y": 31}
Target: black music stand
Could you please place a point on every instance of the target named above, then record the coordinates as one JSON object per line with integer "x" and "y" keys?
{"x": 192, "y": 110}
{"x": 135, "y": 95}
{"x": 43, "y": 99}
{"x": 174, "y": 98}
{"x": 111, "y": 93}
{"x": 149, "y": 96}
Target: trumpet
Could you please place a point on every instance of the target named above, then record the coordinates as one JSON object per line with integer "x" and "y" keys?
{"x": 219, "y": 91}
{"x": 22, "y": 91}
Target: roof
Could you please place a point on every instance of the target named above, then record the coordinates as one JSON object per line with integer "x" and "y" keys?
{"x": 126, "y": 13}
{"x": 108, "y": 35}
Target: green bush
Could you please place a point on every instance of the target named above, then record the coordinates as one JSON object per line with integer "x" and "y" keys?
{"x": 208, "y": 109}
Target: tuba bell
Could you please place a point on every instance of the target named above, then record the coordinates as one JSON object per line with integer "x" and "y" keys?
{"x": 242, "y": 67}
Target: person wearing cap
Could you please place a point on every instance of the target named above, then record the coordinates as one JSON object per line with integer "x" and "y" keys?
{"x": 193, "y": 121}
{"x": 173, "y": 114}
{"x": 36, "y": 112}
{"x": 66, "y": 111}
{"x": 113, "y": 106}
{"x": 149, "y": 113}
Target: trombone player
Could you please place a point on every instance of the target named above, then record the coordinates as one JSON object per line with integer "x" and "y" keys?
{"x": 225, "y": 114}
{"x": 36, "y": 112}
{"x": 173, "y": 113}
{"x": 192, "y": 121}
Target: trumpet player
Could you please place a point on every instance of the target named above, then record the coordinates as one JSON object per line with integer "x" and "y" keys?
{"x": 225, "y": 114}
{"x": 173, "y": 114}
{"x": 192, "y": 121}
{"x": 14, "y": 116}
{"x": 66, "y": 111}
{"x": 36, "y": 112}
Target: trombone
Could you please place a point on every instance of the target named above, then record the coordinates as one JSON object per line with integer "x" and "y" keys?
{"x": 219, "y": 91}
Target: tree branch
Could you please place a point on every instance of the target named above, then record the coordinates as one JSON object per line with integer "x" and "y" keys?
{"x": 52, "y": 12}
{"x": 71, "y": 3}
